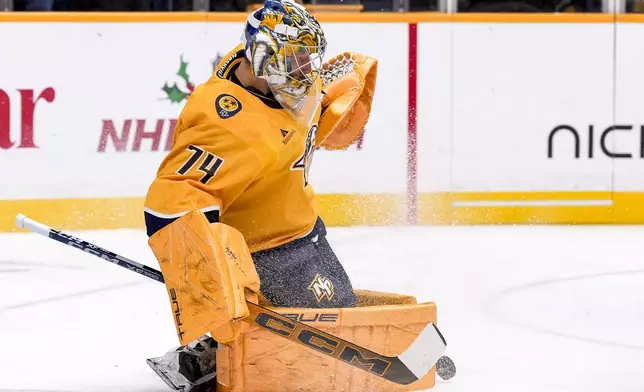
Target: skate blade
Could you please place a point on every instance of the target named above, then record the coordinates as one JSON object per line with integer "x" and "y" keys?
{"x": 155, "y": 366}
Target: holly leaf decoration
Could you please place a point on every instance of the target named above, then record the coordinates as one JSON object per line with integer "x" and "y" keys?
{"x": 175, "y": 95}
{"x": 183, "y": 71}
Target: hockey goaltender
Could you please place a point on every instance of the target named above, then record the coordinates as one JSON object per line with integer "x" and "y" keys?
{"x": 231, "y": 218}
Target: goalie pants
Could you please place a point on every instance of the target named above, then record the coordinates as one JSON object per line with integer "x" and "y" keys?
{"x": 304, "y": 273}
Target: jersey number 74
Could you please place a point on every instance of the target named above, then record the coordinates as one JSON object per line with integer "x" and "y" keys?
{"x": 209, "y": 166}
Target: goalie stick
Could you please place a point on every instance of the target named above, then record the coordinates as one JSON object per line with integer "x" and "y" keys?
{"x": 413, "y": 364}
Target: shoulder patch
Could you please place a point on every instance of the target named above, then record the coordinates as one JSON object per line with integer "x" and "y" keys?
{"x": 227, "y": 106}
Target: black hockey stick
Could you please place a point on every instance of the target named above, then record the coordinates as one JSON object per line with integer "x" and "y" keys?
{"x": 405, "y": 369}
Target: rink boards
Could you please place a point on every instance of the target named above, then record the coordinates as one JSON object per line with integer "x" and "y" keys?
{"x": 504, "y": 119}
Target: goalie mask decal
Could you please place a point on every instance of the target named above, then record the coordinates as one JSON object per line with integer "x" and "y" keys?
{"x": 285, "y": 46}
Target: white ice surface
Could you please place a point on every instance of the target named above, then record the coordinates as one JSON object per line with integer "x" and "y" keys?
{"x": 523, "y": 309}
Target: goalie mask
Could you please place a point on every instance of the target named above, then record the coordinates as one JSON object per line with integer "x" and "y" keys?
{"x": 285, "y": 46}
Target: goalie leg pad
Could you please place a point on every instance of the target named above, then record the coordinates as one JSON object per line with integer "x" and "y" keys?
{"x": 261, "y": 361}
{"x": 207, "y": 270}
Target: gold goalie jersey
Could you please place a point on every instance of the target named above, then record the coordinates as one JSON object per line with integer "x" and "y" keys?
{"x": 242, "y": 160}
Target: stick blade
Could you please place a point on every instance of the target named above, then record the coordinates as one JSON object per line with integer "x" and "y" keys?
{"x": 425, "y": 351}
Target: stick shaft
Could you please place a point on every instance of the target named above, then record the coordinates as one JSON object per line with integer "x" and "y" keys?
{"x": 64, "y": 238}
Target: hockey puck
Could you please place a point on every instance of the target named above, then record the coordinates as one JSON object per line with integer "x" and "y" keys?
{"x": 445, "y": 368}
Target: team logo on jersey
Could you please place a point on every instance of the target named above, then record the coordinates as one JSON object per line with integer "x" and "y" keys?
{"x": 227, "y": 106}
{"x": 322, "y": 288}
{"x": 304, "y": 162}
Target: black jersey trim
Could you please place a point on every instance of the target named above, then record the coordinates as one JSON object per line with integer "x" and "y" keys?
{"x": 155, "y": 221}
